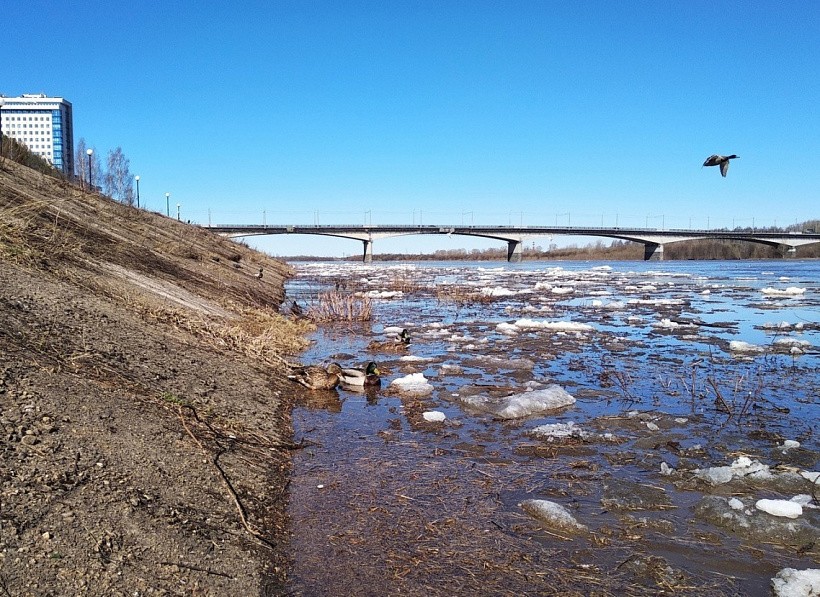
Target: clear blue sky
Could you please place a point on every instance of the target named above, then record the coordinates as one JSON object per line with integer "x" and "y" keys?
{"x": 439, "y": 111}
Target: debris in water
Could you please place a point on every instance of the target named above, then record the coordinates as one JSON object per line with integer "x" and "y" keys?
{"x": 553, "y": 514}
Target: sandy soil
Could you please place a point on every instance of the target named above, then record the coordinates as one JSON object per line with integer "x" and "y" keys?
{"x": 144, "y": 452}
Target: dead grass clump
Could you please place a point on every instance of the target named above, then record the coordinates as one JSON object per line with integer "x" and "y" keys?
{"x": 461, "y": 296}
{"x": 405, "y": 281}
{"x": 262, "y": 334}
{"x": 339, "y": 306}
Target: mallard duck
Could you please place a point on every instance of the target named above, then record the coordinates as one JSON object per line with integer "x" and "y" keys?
{"x": 399, "y": 344}
{"x": 362, "y": 377}
{"x": 296, "y": 309}
{"x": 720, "y": 160}
{"x": 315, "y": 377}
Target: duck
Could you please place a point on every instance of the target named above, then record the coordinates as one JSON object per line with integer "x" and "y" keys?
{"x": 296, "y": 309}
{"x": 720, "y": 160}
{"x": 315, "y": 377}
{"x": 259, "y": 274}
{"x": 399, "y": 344}
{"x": 369, "y": 376}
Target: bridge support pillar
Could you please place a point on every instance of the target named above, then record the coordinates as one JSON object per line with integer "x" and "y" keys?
{"x": 368, "y": 251}
{"x": 790, "y": 252}
{"x": 514, "y": 251}
{"x": 653, "y": 252}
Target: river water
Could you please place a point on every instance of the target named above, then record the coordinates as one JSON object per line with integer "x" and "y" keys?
{"x": 654, "y": 403}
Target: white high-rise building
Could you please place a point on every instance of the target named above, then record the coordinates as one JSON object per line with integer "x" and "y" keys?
{"x": 43, "y": 124}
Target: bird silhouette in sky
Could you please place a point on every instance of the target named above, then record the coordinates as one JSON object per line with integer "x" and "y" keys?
{"x": 720, "y": 160}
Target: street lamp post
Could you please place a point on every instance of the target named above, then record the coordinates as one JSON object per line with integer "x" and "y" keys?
{"x": 178, "y": 206}
{"x": 137, "y": 178}
{"x": 89, "y": 152}
{"x": 167, "y": 205}
{"x": 2, "y": 101}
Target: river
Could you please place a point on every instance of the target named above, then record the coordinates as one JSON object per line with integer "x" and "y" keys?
{"x": 687, "y": 392}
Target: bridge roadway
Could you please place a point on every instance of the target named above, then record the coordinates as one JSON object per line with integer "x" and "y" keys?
{"x": 653, "y": 239}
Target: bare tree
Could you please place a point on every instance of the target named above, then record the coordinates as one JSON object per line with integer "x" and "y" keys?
{"x": 83, "y": 161}
{"x": 79, "y": 161}
{"x": 117, "y": 179}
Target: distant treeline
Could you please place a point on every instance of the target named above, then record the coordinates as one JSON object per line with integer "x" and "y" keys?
{"x": 616, "y": 250}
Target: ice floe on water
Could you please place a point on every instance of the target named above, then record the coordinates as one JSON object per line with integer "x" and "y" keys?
{"x": 785, "y": 508}
{"x": 521, "y": 405}
{"x": 790, "y": 291}
{"x": 554, "y": 326}
{"x": 667, "y": 324}
{"x": 741, "y": 346}
{"x": 433, "y": 416}
{"x": 552, "y": 431}
{"x": 742, "y": 468}
{"x": 414, "y": 384}
{"x": 499, "y": 291}
{"x": 790, "y": 582}
{"x": 383, "y": 294}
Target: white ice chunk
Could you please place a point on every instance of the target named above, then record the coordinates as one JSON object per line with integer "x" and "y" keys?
{"x": 507, "y": 328}
{"x": 556, "y": 430}
{"x": 414, "y": 384}
{"x": 789, "y": 444}
{"x": 785, "y": 508}
{"x": 497, "y": 291}
{"x": 790, "y": 291}
{"x": 797, "y": 583}
{"x": 383, "y": 294}
{"x": 411, "y": 358}
{"x": 805, "y": 500}
{"x": 716, "y": 475}
{"x": 666, "y": 470}
{"x": 735, "y": 504}
{"x": 563, "y": 326}
{"x": 434, "y": 416}
{"x": 783, "y": 325}
{"x": 740, "y": 346}
{"x": 552, "y": 513}
{"x": 522, "y": 405}
{"x": 562, "y": 290}
{"x": 668, "y": 324}
{"x": 792, "y": 342}
{"x": 811, "y": 476}
{"x": 740, "y": 468}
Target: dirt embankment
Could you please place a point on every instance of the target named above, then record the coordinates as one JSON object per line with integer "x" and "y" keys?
{"x": 144, "y": 422}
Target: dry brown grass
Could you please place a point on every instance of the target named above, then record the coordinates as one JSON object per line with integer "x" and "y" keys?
{"x": 262, "y": 334}
{"x": 340, "y": 306}
{"x": 405, "y": 281}
{"x": 461, "y": 296}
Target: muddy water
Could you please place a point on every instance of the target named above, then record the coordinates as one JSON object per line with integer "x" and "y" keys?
{"x": 675, "y": 368}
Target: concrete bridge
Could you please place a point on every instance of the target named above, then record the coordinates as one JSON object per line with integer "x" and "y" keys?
{"x": 653, "y": 239}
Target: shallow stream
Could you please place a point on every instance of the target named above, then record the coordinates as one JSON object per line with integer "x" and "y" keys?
{"x": 562, "y": 428}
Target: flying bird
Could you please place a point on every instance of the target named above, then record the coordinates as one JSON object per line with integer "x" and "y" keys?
{"x": 720, "y": 160}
